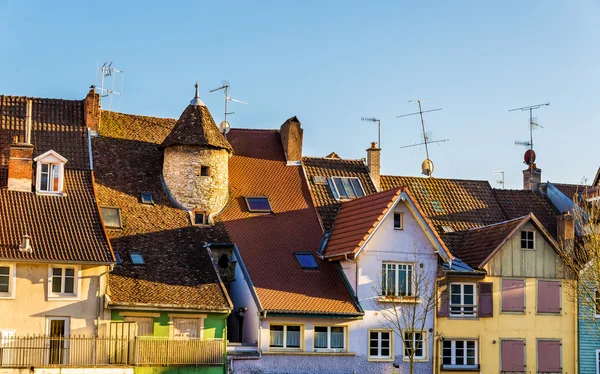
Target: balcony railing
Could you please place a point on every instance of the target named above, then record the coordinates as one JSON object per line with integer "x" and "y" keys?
{"x": 81, "y": 351}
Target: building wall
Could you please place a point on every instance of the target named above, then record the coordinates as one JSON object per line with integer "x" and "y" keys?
{"x": 241, "y": 297}
{"x": 589, "y": 337}
{"x": 532, "y": 265}
{"x": 181, "y": 172}
{"x": 410, "y": 245}
{"x": 28, "y": 311}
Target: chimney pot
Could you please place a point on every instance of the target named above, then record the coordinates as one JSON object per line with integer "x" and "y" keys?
{"x": 373, "y": 145}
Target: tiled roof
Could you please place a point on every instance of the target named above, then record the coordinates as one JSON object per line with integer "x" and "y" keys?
{"x": 458, "y": 204}
{"x": 478, "y": 243}
{"x": 519, "y": 203}
{"x": 62, "y": 228}
{"x": 597, "y": 179}
{"x": 267, "y": 242}
{"x": 179, "y": 271}
{"x": 196, "y": 126}
{"x": 570, "y": 190}
{"x": 356, "y": 220}
{"x": 329, "y": 167}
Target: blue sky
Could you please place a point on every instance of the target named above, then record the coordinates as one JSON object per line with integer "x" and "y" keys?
{"x": 331, "y": 63}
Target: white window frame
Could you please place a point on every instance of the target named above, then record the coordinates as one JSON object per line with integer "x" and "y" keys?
{"x": 423, "y": 347}
{"x": 453, "y": 356}
{"x": 401, "y": 227}
{"x": 396, "y": 279}
{"x": 533, "y": 240}
{"x": 199, "y": 317}
{"x": 380, "y": 357}
{"x": 50, "y": 158}
{"x": 462, "y": 304}
{"x": 76, "y": 283}
{"x": 12, "y": 280}
{"x": 328, "y": 348}
{"x": 336, "y": 192}
{"x": 597, "y": 361}
{"x": 285, "y": 327}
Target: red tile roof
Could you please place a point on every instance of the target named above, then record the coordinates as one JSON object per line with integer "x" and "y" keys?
{"x": 267, "y": 242}
{"x": 356, "y": 220}
{"x": 179, "y": 271}
{"x": 64, "y": 228}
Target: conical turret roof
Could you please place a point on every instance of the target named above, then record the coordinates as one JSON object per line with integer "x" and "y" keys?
{"x": 196, "y": 126}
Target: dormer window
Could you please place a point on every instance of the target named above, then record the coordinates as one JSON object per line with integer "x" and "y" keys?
{"x": 50, "y": 169}
{"x": 345, "y": 188}
{"x": 198, "y": 217}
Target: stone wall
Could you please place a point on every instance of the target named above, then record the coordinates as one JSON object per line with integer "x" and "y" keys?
{"x": 182, "y": 172}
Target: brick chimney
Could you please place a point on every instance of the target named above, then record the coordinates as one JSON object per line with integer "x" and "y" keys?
{"x": 565, "y": 230}
{"x": 532, "y": 178}
{"x": 374, "y": 163}
{"x": 20, "y": 157}
{"x": 291, "y": 139}
{"x": 92, "y": 110}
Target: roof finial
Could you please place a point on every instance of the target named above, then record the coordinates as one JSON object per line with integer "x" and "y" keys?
{"x": 196, "y": 100}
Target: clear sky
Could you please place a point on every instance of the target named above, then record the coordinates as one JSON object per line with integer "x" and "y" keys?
{"x": 330, "y": 63}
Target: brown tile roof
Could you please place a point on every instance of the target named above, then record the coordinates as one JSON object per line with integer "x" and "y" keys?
{"x": 519, "y": 203}
{"x": 178, "y": 270}
{"x": 328, "y": 167}
{"x": 356, "y": 220}
{"x": 597, "y": 179}
{"x": 62, "y": 228}
{"x": 267, "y": 242}
{"x": 196, "y": 126}
{"x": 570, "y": 190}
{"x": 458, "y": 204}
{"x": 478, "y": 243}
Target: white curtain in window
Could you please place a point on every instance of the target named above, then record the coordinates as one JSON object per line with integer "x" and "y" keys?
{"x": 321, "y": 339}
{"x": 276, "y": 338}
{"x": 337, "y": 337}
{"x": 293, "y": 338}
{"x": 185, "y": 327}
{"x": 145, "y": 325}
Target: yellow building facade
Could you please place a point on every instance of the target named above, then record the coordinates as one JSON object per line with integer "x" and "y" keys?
{"x": 512, "y": 314}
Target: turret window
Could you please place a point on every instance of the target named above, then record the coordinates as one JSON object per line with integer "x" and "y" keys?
{"x": 198, "y": 218}
{"x": 205, "y": 171}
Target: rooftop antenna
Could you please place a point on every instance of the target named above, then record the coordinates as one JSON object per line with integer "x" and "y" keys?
{"x": 108, "y": 77}
{"x": 224, "y": 126}
{"x": 373, "y": 119}
{"x": 427, "y": 165}
{"x": 500, "y": 181}
{"x": 529, "y": 158}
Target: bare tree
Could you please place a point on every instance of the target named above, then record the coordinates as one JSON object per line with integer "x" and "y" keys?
{"x": 406, "y": 309}
{"x": 581, "y": 258}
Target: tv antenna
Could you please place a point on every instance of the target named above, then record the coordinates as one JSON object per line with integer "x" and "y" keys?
{"x": 373, "y": 119}
{"x": 225, "y": 87}
{"x": 109, "y": 76}
{"x": 532, "y": 124}
{"x": 500, "y": 181}
{"x": 427, "y": 165}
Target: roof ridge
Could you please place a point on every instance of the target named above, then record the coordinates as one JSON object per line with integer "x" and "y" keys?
{"x": 38, "y": 98}
{"x": 447, "y": 179}
{"x": 137, "y": 115}
{"x": 497, "y": 223}
{"x": 332, "y": 158}
{"x": 250, "y": 129}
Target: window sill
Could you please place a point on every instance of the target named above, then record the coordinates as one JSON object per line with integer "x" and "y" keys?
{"x": 405, "y": 359}
{"x": 63, "y": 298}
{"x": 7, "y": 297}
{"x": 44, "y": 193}
{"x": 398, "y": 300}
{"x": 473, "y": 317}
{"x": 556, "y": 314}
{"x": 399, "y": 228}
{"x": 373, "y": 359}
{"x": 472, "y": 368}
{"x": 303, "y": 353}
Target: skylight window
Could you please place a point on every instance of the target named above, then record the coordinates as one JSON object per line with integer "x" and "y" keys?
{"x": 447, "y": 229}
{"x": 118, "y": 258}
{"x": 306, "y": 260}
{"x": 258, "y": 204}
{"x": 344, "y": 188}
{"x": 437, "y": 206}
{"x": 111, "y": 217}
{"x": 136, "y": 258}
{"x": 147, "y": 198}
{"x": 319, "y": 179}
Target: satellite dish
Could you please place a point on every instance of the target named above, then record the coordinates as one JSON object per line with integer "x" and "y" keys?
{"x": 427, "y": 167}
{"x": 224, "y": 127}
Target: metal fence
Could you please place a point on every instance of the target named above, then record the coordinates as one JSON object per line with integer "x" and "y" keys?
{"x": 42, "y": 350}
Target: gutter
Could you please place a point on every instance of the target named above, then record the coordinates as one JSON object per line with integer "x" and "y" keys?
{"x": 163, "y": 307}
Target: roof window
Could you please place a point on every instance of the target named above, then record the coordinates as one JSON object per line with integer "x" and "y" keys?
{"x": 258, "y": 204}
{"x": 147, "y": 198}
{"x": 447, "y": 229}
{"x": 306, "y": 260}
{"x": 118, "y": 258}
{"x": 319, "y": 179}
{"x": 136, "y": 258}
{"x": 344, "y": 188}
{"x": 437, "y": 206}
{"x": 111, "y": 216}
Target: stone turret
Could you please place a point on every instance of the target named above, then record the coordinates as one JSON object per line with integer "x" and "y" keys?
{"x": 196, "y": 157}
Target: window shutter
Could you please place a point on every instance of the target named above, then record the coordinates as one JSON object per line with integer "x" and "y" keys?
{"x": 513, "y": 355}
{"x": 513, "y": 295}
{"x": 444, "y": 301}
{"x": 549, "y": 296}
{"x": 486, "y": 299}
{"x": 549, "y": 356}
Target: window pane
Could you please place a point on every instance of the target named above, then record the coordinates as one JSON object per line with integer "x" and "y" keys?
{"x": 258, "y": 204}
{"x": 391, "y": 280}
{"x": 56, "y": 271}
{"x": 293, "y": 337}
{"x": 306, "y": 260}
{"x": 56, "y": 284}
{"x": 276, "y": 338}
{"x": 320, "y": 337}
{"x": 337, "y": 337}
{"x": 55, "y": 178}
{"x": 111, "y": 217}
{"x": 4, "y": 270}
{"x": 340, "y": 187}
{"x": 358, "y": 191}
{"x": 136, "y": 258}
{"x": 69, "y": 272}
{"x": 43, "y": 181}
{"x": 69, "y": 284}
{"x": 4, "y": 279}
{"x": 348, "y": 188}
{"x": 185, "y": 327}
